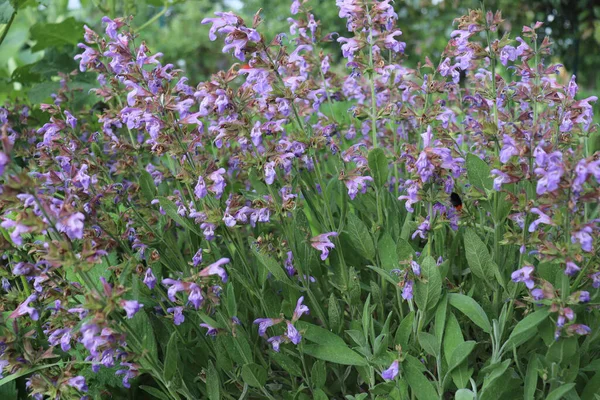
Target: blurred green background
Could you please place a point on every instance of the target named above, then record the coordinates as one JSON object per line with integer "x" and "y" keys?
{"x": 42, "y": 36}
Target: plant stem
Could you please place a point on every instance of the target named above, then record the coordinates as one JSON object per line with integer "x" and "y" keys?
{"x": 7, "y": 27}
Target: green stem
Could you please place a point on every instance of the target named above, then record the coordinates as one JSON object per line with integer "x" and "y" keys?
{"x": 154, "y": 18}
{"x": 7, "y": 27}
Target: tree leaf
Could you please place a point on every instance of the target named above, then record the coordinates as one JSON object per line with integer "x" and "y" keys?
{"x": 378, "y": 164}
{"x": 478, "y": 256}
{"x": 254, "y": 375}
{"x": 336, "y": 354}
{"x": 213, "y": 383}
{"x": 47, "y": 35}
{"x": 428, "y": 343}
{"x": 360, "y": 237}
{"x": 171, "y": 357}
{"x": 471, "y": 309}
{"x": 421, "y": 387}
{"x": 478, "y": 172}
{"x": 522, "y": 331}
{"x": 429, "y": 288}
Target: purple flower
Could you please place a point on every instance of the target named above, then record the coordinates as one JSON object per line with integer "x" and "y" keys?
{"x": 212, "y": 331}
{"x": 275, "y": 341}
{"x": 264, "y": 323}
{"x": 584, "y": 296}
{"x": 524, "y": 275}
{"x": 270, "y": 172}
{"x": 195, "y": 296}
{"x": 71, "y": 120}
{"x": 149, "y": 279}
{"x": 24, "y": 308}
{"x": 72, "y": 225}
{"x": 416, "y": 268}
{"x": 292, "y": 333}
{"x": 571, "y": 268}
{"x": 412, "y": 197}
{"x": 501, "y": 178}
{"x": 391, "y": 43}
{"x": 542, "y": 219}
{"x": 200, "y": 189}
{"x": 300, "y": 309}
{"x": 537, "y": 294}
{"x": 422, "y": 229}
{"x": 131, "y": 307}
{"x": 289, "y": 266}
{"x": 392, "y": 372}
{"x": 178, "y": 317}
{"x": 356, "y": 184}
{"x": 323, "y": 244}
{"x": 407, "y": 291}
{"x": 174, "y": 287}
{"x": 3, "y": 162}
{"x": 197, "y": 259}
{"x": 509, "y": 149}
{"x": 78, "y": 383}
{"x": 216, "y": 269}
{"x": 595, "y": 280}
{"x": 584, "y": 237}
{"x": 219, "y": 184}
{"x": 579, "y": 329}
{"x": 18, "y": 230}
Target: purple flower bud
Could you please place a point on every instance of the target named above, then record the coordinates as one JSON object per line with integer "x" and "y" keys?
{"x": 149, "y": 279}
{"x": 537, "y": 294}
{"x": 571, "y": 268}
{"x": 131, "y": 307}
{"x": 200, "y": 189}
{"x": 300, "y": 309}
{"x": 579, "y": 329}
{"x": 195, "y": 296}
{"x": 416, "y": 268}
{"x": 407, "y": 291}
{"x": 392, "y": 372}
{"x": 270, "y": 172}
{"x": 275, "y": 341}
{"x": 584, "y": 296}
{"x": 264, "y": 323}
{"x": 595, "y": 280}
{"x": 71, "y": 120}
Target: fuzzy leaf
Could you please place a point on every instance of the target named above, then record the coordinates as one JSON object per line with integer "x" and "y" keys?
{"x": 336, "y": 354}
{"x": 471, "y": 309}
{"x": 254, "y": 375}
{"x": 429, "y": 288}
{"x": 378, "y": 165}
{"x": 360, "y": 237}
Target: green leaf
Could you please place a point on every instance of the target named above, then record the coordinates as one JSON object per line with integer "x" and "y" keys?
{"x": 405, "y": 330}
{"x": 254, "y": 375}
{"x": 440, "y": 319}
{"x": 9, "y": 390}
{"x": 560, "y": 391}
{"x": 213, "y": 383}
{"x": 478, "y": 172}
{"x": 287, "y": 363}
{"x": 47, "y": 35}
{"x": 154, "y": 392}
{"x": 319, "y": 335}
{"x": 421, "y": 387}
{"x": 366, "y": 317}
{"x": 171, "y": 209}
{"x": 147, "y": 186}
{"x": 387, "y": 252}
{"x": 478, "y": 257}
{"x": 378, "y": 165}
{"x": 319, "y": 394}
{"x": 6, "y": 11}
{"x": 531, "y": 378}
{"x": 384, "y": 274}
{"x": 171, "y": 357}
{"x": 428, "y": 343}
{"x": 272, "y": 266}
{"x": 526, "y": 328}
{"x": 591, "y": 388}
{"x": 360, "y": 237}
{"x": 461, "y": 353}
{"x": 495, "y": 372}
{"x": 471, "y": 309}
{"x": 334, "y": 312}
{"x": 141, "y": 325}
{"x": 429, "y": 288}
{"x": 336, "y": 354}
{"x": 404, "y": 250}
{"x": 318, "y": 374}
{"x": 464, "y": 394}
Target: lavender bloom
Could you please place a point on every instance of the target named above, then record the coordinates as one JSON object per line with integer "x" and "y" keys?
{"x": 78, "y": 383}
{"x": 407, "y": 291}
{"x": 200, "y": 189}
{"x": 219, "y": 184}
{"x": 270, "y": 172}
{"x": 216, "y": 269}
{"x": 392, "y": 372}
{"x": 212, "y": 331}
{"x": 3, "y": 162}
{"x": 542, "y": 219}
{"x": 422, "y": 229}
{"x": 509, "y": 149}
{"x": 71, "y": 120}
{"x": 584, "y": 237}
{"x": 149, "y": 279}
{"x": 131, "y": 307}
{"x": 24, "y": 308}
{"x": 416, "y": 268}
{"x": 356, "y": 183}
{"x": 500, "y": 179}
{"x": 524, "y": 275}
{"x": 292, "y": 333}
{"x": 208, "y": 230}
{"x": 174, "y": 287}
{"x": 197, "y": 259}
{"x": 579, "y": 329}
{"x": 595, "y": 280}
{"x": 264, "y": 323}
{"x": 571, "y": 268}
{"x": 289, "y": 267}
{"x": 18, "y": 230}
{"x": 412, "y": 197}
{"x": 178, "y": 317}
{"x": 323, "y": 244}
{"x": 537, "y": 294}
{"x": 275, "y": 341}
{"x": 300, "y": 309}
{"x": 5, "y": 285}
{"x": 584, "y": 296}
{"x": 72, "y": 225}
{"x": 195, "y": 296}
